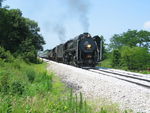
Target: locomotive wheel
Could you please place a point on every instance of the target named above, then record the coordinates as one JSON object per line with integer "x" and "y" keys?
{"x": 74, "y": 61}
{"x": 66, "y": 59}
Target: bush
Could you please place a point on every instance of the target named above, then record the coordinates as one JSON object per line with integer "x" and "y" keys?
{"x": 45, "y": 81}
{"x": 136, "y": 58}
{"x": 10, "y": 86}
{"x": 116, "y": 58}
{"x": 4, "y": 82}
{"x": 30, "y": 56}
{"x": 17, "y": 88}
{"x": 2, "y": 63}
{"x": 5, "y": 55}
{"x": 31, "y": 75}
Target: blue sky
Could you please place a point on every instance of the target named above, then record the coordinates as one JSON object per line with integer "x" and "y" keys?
{"x": 73, "y": 17}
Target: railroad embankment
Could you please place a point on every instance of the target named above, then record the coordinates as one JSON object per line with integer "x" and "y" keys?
{"x": 96, "y": 86}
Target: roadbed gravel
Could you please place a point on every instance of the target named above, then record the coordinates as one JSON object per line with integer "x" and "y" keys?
{"x": 93, "y": 86}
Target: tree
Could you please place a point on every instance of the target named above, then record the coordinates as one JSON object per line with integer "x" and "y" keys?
{"x": 1, "y": 3}
{"x": 116, "y": 58}
{"x": 10, "y": 24}
{"x": 5, "y": 55}
{"x": 143, "y": 39}
{"x": 135, "y": 58}
{"x": 19, "y": 35}
{"x": 131, "y": 38}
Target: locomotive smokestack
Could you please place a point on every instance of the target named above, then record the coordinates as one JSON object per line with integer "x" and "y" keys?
{"x": 80, "y": 8}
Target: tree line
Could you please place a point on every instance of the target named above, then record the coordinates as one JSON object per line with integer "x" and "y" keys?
{"x": 129, "y": 50}
{"x": 19, "y": 35}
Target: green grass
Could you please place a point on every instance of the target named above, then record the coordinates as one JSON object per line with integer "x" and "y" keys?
{"x": 107, "y": 64}
{"x": 103, "y": 105}
{"x": 144, "y": 72}
{"x": 29, "y": 88}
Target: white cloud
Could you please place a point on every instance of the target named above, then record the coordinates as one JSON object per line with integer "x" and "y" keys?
{"x": 147, "y": 25}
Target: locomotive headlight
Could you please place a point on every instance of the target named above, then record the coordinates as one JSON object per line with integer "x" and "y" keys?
{"x": 88, "y": 46}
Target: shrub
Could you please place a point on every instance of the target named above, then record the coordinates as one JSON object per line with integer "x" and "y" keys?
{"x": 116, "y": 58}
{"x": 45, "y": 81}
{"x": 31, "y": 75}
{"x": 5, "y": 55}
{"x": 4, "y": 82}
{"x": 136, "y": 58}
{"x": 17, "y": 88}
{"x": 30, "y": 56}
{"x": 2, "y": 63}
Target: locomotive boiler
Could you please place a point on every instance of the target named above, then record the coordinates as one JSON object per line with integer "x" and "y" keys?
{"x": 82, "y": 51}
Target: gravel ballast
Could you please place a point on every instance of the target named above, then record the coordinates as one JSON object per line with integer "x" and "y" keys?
{"x": 93, "y": 85}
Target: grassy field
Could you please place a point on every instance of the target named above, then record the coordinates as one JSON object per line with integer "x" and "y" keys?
{"x": 29, "y": 88}
{"x": 107, "y": 64}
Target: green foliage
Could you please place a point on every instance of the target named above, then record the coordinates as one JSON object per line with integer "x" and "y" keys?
{"x": 17, "y": 88}
{"x": 104, "y": 49}
{"x": 135, "y": 58}
{"x": 5, "y": 55}
{"x": 103, "y": 110}
{"x": 19, "y": 78}
{"x": 145, "y": 72}
{"x": 129, "y": 58}
{"x": 29, "y": 88}
{"x": 116, "y": 58}
{"x": 131, "y": 38}
{"x": 23, "y": 84}
{"x": 19, "y": 35}
{"x": 134, "y": 47}
{"x": 107, "y": 63}
{"x": 1, "y": 3}
{"x": 31, "y": 75}
{"x": 4, "y": 83}
{"x": 73, "y": 104}
{"x": 30, "y": 56}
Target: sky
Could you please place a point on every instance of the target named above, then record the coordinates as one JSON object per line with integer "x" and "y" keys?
{"x": 61, "y": 20}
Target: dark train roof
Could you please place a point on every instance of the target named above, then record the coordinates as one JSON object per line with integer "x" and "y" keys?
{"x": 82, "y": 35}
{"x": 75, "y": 38}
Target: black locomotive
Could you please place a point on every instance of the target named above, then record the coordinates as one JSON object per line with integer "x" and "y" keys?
{"x": 82, "y": 51}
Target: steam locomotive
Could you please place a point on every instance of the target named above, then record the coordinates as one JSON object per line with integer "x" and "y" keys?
{"x": 82, "y": 51}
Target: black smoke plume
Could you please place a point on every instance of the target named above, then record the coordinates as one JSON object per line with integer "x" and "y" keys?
{"x": 80, "y": 8}
{"x": 60, "y": 30}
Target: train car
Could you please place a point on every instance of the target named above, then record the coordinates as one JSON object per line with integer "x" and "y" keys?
{"x": 50, "y": 55}
{"x": 59, "y": 53}
{"x": 82, "y": 51}
{"x": 44, "y": 54}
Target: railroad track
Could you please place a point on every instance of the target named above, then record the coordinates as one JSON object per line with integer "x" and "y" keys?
{"x": 138, "y": 79}
{"x": 130, "y": 73}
